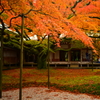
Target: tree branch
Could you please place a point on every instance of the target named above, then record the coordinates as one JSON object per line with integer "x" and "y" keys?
{"x": 94, "y": 17}
{"x": 12, "y": 19}
{"x": 30, "y": 11}
{"x": 3, "y": 25}
{"x": 72, "y": 8}
{"x": 76, "y": 3}
{"x": 39, "y": 11}
{"x": 26, "y": 36}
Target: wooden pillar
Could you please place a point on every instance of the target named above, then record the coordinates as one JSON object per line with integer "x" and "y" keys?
{"x": 68, "y": 58}
{"x": 21, "y": 58}
{"x": 48, "y": 62}
{"x": 81, "y": 58}
{"x": 1, "y": 64}
{"x": 1, "y": 57}
{"x": 92, "y": 61}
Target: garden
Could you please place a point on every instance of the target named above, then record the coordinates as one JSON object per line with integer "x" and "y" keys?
{"x": 50, "y": 21}
{"x": 73, "y": 80}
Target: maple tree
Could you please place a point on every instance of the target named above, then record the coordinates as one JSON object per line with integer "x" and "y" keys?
{"x": 72, "y": 18}
{"x": 53, "y": 17}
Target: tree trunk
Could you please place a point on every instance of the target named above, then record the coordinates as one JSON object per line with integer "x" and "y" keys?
{"x": 21, "y": 58}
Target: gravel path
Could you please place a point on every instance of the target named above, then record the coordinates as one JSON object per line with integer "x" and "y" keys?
{"x": 42, "y": 93}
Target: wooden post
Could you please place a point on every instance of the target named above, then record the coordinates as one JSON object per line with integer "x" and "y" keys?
{"x": 1, "y": 63}
{"x": 21, "y": 57}
{"x": 92, "y": 61}
{"x": 0, "y": 73}
{"x": 48, "y": 64}
{"x": 1, "y": 55}
{"x": 81, "y": 57}
{"x": 68, "y": 58}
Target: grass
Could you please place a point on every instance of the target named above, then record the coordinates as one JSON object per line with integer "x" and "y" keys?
{"x": 75, "y": 80}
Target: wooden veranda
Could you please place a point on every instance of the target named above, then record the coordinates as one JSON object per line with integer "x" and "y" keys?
{"x": 68, "y": 64}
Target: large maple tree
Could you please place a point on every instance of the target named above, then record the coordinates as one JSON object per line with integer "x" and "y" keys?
{"x": 69, "y": 17}
{"x": 52, "y": 17}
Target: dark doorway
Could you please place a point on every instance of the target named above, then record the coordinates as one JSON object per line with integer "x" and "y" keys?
{"x": 29, "y": 58}
{"x": 75, "y": 55}
{"x": 63, "y": 55}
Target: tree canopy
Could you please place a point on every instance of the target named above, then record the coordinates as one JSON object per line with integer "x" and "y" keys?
{"x": 53, "y": 17}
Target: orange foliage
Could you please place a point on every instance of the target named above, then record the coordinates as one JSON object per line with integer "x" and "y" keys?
{"x": 70, "y": 17}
